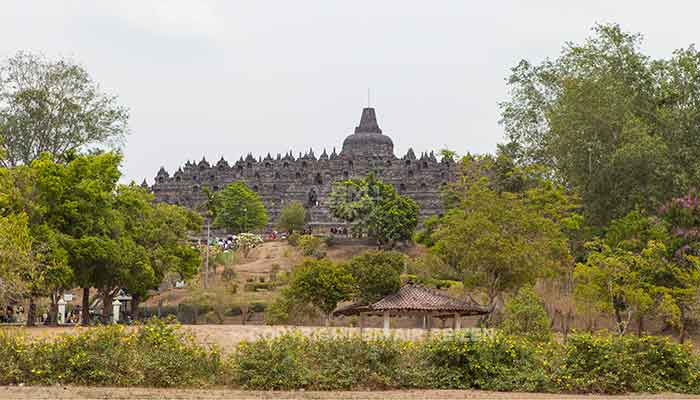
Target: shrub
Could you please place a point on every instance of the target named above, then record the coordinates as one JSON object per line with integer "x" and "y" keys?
{"x": 161, "y": 355}
{"x": 155, "y": 354}
{"x": 258, "y": 307}
{"x": 293, "y": 361}
{"x": 292, "y": 217}
{"x": 229, "y": 274}
{"x": 462, "y": 361}
{"x": 226, "y": 258}
{"x": 620, "y": 364}
{"x": 256, "y": 286}
{"x": 329, "y": 240}
{"x": 293, "y": 239}
{"x": 310, "y": 246}
{"x": 233, "y": 311}
{"x": 376, "y": 274}
{"x": 524, "y": 315}
{"x": 11, "y": 348}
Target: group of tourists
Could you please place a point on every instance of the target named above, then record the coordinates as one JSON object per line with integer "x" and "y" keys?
{"x": 339, "y": 231}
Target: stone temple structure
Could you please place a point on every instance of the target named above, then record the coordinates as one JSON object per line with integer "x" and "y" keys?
{"x": 309, "y": 178}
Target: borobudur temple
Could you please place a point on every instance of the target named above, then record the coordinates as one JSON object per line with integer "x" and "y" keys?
{"x": 309, "y": 179}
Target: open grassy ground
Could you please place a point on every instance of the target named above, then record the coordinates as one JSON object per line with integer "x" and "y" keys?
{"x": 104, "y": 393}
{"x": 228, "y": 336}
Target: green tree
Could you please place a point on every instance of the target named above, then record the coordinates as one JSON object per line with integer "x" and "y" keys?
{"x": 375, "y": 209}
{"x": 46, "y": 272}
{"x": 77, "y": 200}
{"x": 609, "y": 121}
{"x": 498, "y": 241}
{"x": 159, "y": 233}
{"x": 240, "y": 209}
{"x": 87, "y": 230}
{"x": 683, "y": 278}
{"x": 320, "y": 283}
{"x": 376, "y": 274}
{"x": 629, "y": 273}
{"x": 15, "y": 255}
{"x": 53, "y": 107}
{"x": 524, "y": 315}
{"x": 292, "y": 217}
{"x": 621, "y": 282}
{"x": 393, "y": 220}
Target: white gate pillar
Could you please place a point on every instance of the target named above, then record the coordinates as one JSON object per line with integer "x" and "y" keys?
{"x": 61, "y": 317}
{"x": 116, "y": 305}
{"x": 386, "y": 322}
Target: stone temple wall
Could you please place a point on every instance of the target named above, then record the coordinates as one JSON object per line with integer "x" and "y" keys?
{"x": 308, "y": 178}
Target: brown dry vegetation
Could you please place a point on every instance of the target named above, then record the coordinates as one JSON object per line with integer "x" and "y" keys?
{"x": 110, "y": 393}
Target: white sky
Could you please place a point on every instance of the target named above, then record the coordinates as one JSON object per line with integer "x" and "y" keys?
{"x": 226, "y": 78}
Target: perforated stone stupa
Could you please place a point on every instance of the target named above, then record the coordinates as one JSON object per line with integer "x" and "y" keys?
{"x": 307, "y": 178}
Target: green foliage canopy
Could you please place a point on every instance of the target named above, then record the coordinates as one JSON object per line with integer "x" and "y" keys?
{"x": 374, "y": 208}
{"x": 376, "y": 274}
{"x": 630, "y": 274}
{"x": 320, "y": 283}
{"x": 499, "y": 241}
{"x": 15, "y": 254}
{"x": 604, "y": 118}
{"x": 524, "y": 315}
{"x": 53, "y": 107}
{"x": 292, "y": 217}
{"x": 240, "y": 209}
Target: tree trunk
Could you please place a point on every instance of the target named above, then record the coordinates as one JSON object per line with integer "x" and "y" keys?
{"x": 106, "y": 305}
{"x": 619, "y": 324}
{"x": 244, "y": 314}
{"x": 640, "y": 325}
{"x": 31, "y": 312}
{"x": 568, "y": 320}
{"x": 85, "y": 312}
{"x": 53, "y": 311}
{"x": 682, "y": 333}
{"x": 134, "y": 312}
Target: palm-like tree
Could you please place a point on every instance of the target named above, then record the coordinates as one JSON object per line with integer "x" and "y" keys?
{"x": 208, "y": 208}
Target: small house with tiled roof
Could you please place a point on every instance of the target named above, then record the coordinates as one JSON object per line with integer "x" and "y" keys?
{"x": 416, "y": 300}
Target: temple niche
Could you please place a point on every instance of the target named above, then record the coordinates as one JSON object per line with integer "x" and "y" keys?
{"x": 308, "y": 179}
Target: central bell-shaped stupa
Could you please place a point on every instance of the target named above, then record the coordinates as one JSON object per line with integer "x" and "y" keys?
{"x": 368, "y": 140}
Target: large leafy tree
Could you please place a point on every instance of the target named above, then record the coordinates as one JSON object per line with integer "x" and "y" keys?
{"x": 53, "y": 107}
{"x": 87, "y": 230}
{"x": 632, "y": 274}
{"x": 15, "y": 254}
{"x": 375, "y": 208}
{"x": 45, "y": 271}
{"x": 683, "y": 216}
{"x": 154, "y": 243}
{"x": 78, "y": 201}
{"x": 292, "y": 217}
{"x": 320, "y": 283}
{"x": 498, "y": 240}
{"x": 609, "y": 121}
{"x": 621, "y": 282}
{"x": 376, "y": 274}
{"x": 240, "y": 209}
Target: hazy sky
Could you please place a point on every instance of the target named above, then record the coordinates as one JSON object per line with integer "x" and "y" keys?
{"x": 231, "y": 77}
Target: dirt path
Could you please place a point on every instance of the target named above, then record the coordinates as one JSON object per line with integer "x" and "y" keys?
{"x": 78, "y": 392}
